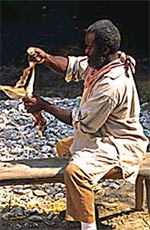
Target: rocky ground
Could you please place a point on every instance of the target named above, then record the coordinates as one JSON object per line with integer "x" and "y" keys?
{"x": 115, "y": 207}
{"x": 116, "y": 211}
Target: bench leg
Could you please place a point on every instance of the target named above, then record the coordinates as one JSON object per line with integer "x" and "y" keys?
{"x": 139, "y": 193}
{"x": 147, "y": 184}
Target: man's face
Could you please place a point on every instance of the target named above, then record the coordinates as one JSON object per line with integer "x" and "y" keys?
{"x": 96, "y": 58}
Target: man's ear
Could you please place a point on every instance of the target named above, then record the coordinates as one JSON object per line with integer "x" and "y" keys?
{"x": 106, "y": 50}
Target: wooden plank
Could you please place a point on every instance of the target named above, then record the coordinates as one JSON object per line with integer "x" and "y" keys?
{"x": 145, "y": 166}
{"x": 50, "y": 170}
{"x": 139, "y": 193}
{"x": 32, "y": 171}
{"x": 147, "y": 184}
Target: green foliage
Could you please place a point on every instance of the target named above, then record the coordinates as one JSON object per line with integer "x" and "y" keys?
{"x": 143, "y": 89}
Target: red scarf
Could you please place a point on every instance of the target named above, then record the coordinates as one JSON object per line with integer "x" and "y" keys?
{"x": 94, "y": 75}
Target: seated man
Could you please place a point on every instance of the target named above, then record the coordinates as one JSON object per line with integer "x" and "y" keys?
{"x": 107, "y": 132}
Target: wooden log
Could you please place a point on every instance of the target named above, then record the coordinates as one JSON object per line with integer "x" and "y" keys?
{"x": 139, "y": 193}
{"x": 145, "y": 166}
{"x": 147, "y": 184}
{"x": 45, "y": 170}
{"x": 143, "y": 176}
{"x": 32, "y": 171}
{"x": 51, "y": 170}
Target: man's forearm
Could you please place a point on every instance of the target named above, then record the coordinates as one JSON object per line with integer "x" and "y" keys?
{"x": 56, "y": 63}
{"x": 63, "y": 115}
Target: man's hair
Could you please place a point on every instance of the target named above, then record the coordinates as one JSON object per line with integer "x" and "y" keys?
{"x": 106, "y": 34}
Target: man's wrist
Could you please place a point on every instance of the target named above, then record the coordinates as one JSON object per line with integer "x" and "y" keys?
{"x": 46, "y": 106}
{"x": 46, "y": 58}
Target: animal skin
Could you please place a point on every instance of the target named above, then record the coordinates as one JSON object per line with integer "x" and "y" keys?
{"x": 24, "y": 88}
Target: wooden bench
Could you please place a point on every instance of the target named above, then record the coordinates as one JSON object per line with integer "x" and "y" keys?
{"x": 50, "y": 170}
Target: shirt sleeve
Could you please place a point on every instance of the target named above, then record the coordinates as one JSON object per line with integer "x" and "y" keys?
{"x": 77, "y": 68}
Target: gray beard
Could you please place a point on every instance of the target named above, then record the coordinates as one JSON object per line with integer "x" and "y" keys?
{"x": 97, "y": 62}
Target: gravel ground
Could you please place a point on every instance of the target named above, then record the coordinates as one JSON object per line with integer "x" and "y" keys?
{"x": 116, "y": 211}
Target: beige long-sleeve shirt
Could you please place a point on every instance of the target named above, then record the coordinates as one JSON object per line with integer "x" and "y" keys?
{"x": 107, "y": 131}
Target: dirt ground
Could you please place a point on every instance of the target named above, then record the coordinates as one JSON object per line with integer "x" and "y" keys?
{"x": 115, "y": 211}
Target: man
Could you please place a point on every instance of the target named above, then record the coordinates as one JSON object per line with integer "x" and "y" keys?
{"x": 107, "y": 132}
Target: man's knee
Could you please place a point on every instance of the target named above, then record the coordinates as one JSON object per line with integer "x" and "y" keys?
{"x": 70, "y": 170}
{"x": 59, "y": 148}
{"x": 73, "y": 173}
{"x": 62, "y": 147}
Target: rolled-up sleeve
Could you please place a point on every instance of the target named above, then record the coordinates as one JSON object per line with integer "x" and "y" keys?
{"x": 77, "y": 68}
